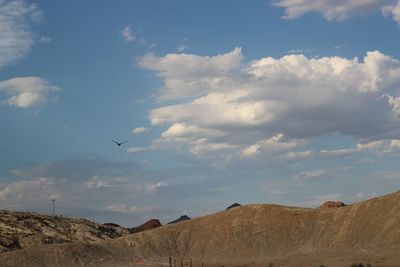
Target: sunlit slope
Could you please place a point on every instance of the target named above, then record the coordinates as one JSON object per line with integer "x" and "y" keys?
{"x": 255, "y": 232}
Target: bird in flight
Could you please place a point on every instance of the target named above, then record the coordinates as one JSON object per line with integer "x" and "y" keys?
{"x": 119, "y": 143}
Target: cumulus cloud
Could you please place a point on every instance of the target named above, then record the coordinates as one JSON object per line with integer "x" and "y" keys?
{"x": 274, "y": 105}
{"x": 276, "y": 143}
{"x": 187, "y": 75}
{"x": 128, "y": 35}
{"x": 25, "y": 92}
{"x": 140, "y": 130}
{"x": 16, "y": 37}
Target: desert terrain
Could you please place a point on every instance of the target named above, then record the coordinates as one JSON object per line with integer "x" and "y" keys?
{"x": 367, "y": 232}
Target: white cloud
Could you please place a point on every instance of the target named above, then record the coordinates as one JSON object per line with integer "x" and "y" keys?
{"x": 392, "y": 10}
{"x": 268, "y": 105}
{"x": 184, "y": 73}
{"x": 128, "y": 35}
{"x": 140, "y": 130}
{"x": 24, "y": 92}
{"x": 45, "y": 40}
{"x": 16, "y": 37}
{"x": 331, "y": 10}
{"x": 154, "y": 187}
{"x": 275, "y": 144}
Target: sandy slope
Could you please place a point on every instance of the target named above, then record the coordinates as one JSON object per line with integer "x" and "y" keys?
{"x": 251, "y": 235}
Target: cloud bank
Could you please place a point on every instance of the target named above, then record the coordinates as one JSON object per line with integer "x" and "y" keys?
{"x": 272, "y": 105}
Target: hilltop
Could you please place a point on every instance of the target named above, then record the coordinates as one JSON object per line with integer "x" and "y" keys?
{"x": 256, "y": 235}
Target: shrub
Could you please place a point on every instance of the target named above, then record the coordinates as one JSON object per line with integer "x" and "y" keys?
{"x": 360, "y": 265}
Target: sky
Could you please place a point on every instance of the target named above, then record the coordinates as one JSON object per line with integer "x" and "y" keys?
{"x": 292, "y": 102}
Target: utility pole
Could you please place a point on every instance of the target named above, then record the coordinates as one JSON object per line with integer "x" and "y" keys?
{"x": 54, "y": 208}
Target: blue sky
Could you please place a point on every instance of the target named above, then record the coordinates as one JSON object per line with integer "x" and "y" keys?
{"x": 288, "y": 102}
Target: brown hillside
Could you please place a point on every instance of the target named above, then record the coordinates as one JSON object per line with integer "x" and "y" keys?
{"x": 255, "y": 235}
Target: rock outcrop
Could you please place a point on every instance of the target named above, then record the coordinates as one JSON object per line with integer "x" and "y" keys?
{"x": 26, "y": 229}
{"x": 234, "y": 205}
{"x": 181, "y": 219}
{"x": 332, "y": 204}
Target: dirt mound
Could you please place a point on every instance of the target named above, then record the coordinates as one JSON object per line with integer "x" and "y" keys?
{"x": 255, "y": 235}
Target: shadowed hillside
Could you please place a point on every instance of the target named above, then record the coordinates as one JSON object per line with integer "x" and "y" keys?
{"x": 254, "y": 235}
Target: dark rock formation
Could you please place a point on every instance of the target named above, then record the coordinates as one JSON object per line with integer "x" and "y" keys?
{"x": 332, "y": 204}
{"x": 234, "y": 205}
{"x": 181, "y": 219}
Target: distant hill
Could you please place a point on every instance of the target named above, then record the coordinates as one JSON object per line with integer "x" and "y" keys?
{"x": 150, "y": 224}
{"x": 250, "y": 235}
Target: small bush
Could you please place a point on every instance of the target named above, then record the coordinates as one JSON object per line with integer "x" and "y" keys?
{"x": 360, "y": 265}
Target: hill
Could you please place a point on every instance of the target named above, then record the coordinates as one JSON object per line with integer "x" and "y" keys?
{"x": 250, "y": 235}
{"x": 26, "y": 229}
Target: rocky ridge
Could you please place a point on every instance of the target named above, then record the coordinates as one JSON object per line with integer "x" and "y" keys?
{"x": 25, "y": 229}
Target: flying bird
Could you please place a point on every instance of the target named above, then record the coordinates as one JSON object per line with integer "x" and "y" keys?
{"x": 119, "y": 143}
